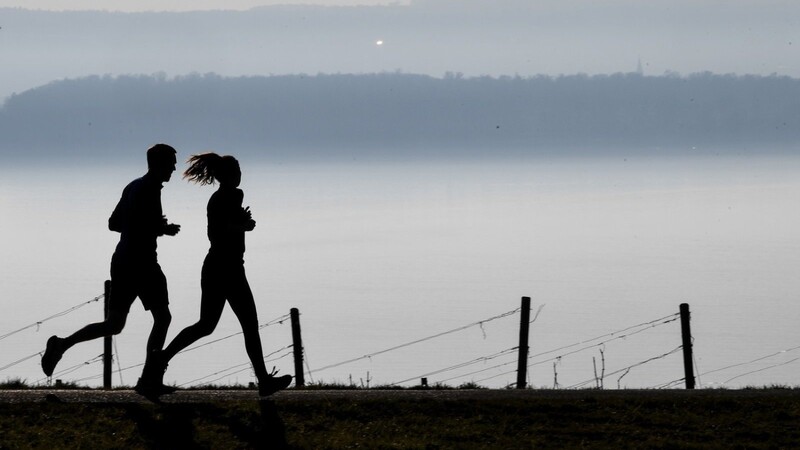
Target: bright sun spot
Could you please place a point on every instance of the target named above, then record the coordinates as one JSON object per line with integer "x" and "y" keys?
{"x": 379, "y": 43}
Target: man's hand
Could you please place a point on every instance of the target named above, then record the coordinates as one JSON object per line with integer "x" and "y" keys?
{"x": 247, "y": 215}
{"x": 171, "y": 229}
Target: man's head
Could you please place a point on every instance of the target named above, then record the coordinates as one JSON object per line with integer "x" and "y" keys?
{"x": 161, "y": 161}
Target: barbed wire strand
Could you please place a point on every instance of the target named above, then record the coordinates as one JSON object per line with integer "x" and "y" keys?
{"x": 276, "y": 321}
{"x": 39, "y": 323}
{"x": 677, "y": 349}
{"x": 668, "y": 384}
{"x": 76, "y": 367}
{"x": 236, "y": 366}
{"x": 223, "y": 371}
{"x": 479, "y": 371}
{"x": 95, "y": 377}
{"x": 247, "y": 368}
{"x": 652, "y": 324}
{"x": 538, "y": 311}
{"x": 92, "y": 377}
{"x": 134, "y": 366}
{"x": 240, "y": 365}
{"x": 761, "y": 370}
{"x": 119, "y": 361}
{"x": 752, "y": 361}
{"x": 19, "y": 361}
{"x": 407, "y": 344}
{"x": 459, "y": 366}
{"x": 308, "y": 367}
{"x": 71, "y": 369}
{"x": 474, "y": 361}
{"x": 696, "y": 367}
{"x": 507, "y": 364}
{"x": 599, "y": 344}
{"x": 56, "y": 315}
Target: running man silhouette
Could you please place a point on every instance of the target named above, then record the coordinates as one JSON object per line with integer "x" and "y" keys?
{"x": 223, "y": 276}
{"x": 135, "y": 271}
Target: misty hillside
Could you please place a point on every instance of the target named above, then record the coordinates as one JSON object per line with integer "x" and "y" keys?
{"x": 399, "y": 114}
{"x": 430, "y": 37}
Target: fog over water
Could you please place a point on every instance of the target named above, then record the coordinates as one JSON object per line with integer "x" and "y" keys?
{"x": 376, "y": 255}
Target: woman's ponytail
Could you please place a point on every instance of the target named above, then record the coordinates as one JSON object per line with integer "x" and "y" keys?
{"x": 201, "y": 168}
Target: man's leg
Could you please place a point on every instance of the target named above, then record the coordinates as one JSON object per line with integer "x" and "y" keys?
{"x": 158, "y": 335}
{"x": 150, "y": 383}
{"x": 211, "y": 305}
{"x": 155, "y": 299}
{"x": 113, "y": 324}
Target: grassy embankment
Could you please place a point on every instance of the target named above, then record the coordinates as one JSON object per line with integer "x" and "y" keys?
{"x": 754, "y": 418}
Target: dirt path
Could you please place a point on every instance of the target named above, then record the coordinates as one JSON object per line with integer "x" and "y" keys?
{"x": 213, "y": 396}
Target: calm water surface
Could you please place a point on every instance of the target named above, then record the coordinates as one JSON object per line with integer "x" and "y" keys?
{"x": 377, "y": 254}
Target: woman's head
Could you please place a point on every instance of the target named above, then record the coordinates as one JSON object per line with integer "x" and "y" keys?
{"x": 206, "y": 168}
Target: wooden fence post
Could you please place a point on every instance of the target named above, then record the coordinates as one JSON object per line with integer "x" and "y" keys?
{"x": 107, "y": 358}
{"x": 297, "y": 345}
{"x": 686, "y": 335}
{"x": 524, "y": 326}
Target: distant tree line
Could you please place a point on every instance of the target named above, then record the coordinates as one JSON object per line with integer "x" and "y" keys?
{"x": 398, "y": 113}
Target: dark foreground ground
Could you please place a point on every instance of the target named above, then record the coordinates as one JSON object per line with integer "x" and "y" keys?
{"x": 373, "y": 419}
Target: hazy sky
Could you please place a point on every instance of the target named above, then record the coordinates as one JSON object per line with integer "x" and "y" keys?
{"x": 174, "y": 5}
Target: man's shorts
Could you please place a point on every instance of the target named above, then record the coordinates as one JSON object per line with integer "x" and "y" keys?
{"x": 143, "y": 278}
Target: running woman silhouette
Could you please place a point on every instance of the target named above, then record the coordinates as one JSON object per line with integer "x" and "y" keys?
{"x": 135, "y": 271}
{"x": 223, "y": 275}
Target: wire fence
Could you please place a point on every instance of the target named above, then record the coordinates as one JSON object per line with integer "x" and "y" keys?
{"x": 98, "y": 360}
{"x": 479, "y": 323}
{"x": 477, "y": 369}
{"x": 39, "y": 323}
{"x": 227, "y": 372}
{"x": 559, "y": 354}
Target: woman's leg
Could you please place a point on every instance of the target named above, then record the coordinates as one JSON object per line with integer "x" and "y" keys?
{"x": 243, "y": 305}
{"x": 212, "y": 301}
{"x": 210, "y": 313}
